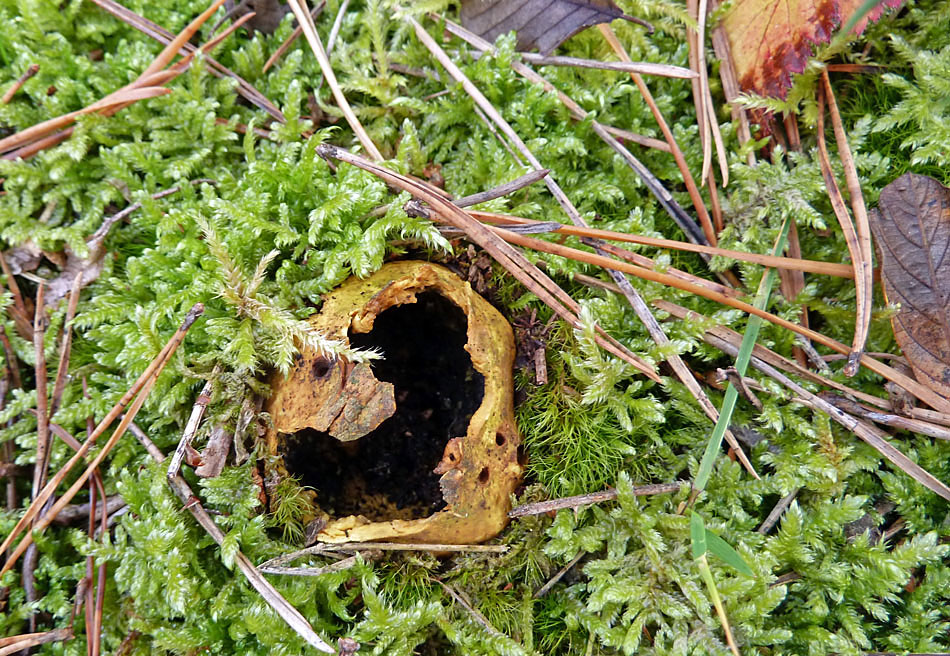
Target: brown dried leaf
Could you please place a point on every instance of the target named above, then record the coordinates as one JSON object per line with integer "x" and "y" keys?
{"x": 215, "y": 453}
{"x": 912, "y": 228}
{"x": 541, "y": 24}
{"x": 771, "y": 39}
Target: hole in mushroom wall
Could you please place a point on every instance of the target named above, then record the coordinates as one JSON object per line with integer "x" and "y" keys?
{"x": 387, "y": 474}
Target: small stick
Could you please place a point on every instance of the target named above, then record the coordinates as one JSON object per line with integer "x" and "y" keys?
{"x": 502, "y": 190}
{"x": 731, "y": 374}
{"x": 896, "y": 421}
{"x": 66, "y": 347}
{"x": 543, "y": 590}
{"x": 146, "y": 380}
{"x": 42, "y": 400}
{"x": 339, "y": 565}
{"x": 26, "y": 641}
{"x": 289, "y": 41}
{"x": 382, "y": 546}
{"x": 16, "y": 86}
{"x": 542, "y": 507}
{"x": 191, "y": 429}
{"x": 644, "y": 68}
{"x": 74, "y": 512}
{"x": 777, "y": 512}
{"x": 310, "y": 32}
{"x": 863, "y": 265}
{"x": 813, "y": 356}
{"x": 146, "y": 441}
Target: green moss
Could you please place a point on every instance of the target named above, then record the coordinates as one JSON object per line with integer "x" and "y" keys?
{"x": 261, "y": 228}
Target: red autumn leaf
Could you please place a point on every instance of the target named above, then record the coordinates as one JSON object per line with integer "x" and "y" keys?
{"x": 771, "y": 39}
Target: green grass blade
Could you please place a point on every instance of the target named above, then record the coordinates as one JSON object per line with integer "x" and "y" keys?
{"x": 719, "y": 547}
{"x": 742, "y": 363}
{"x": 697, "y": 534}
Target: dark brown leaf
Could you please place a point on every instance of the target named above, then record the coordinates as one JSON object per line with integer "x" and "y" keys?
{"x": 912, "y": 228}
{"x": 541, "y": 24}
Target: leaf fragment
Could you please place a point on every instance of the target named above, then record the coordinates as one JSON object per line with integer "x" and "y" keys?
{"x": 541, "y": 24}
{"x": 912, "y": 227}
{"x": 771, "y": 39}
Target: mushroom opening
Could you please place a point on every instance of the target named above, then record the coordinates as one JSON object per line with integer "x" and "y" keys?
{"x": 387, "y": 473}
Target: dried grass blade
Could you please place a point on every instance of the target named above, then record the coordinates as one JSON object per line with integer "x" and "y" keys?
{"x": 864, "y": 257}
{"x": 151, "y": 371}
{"x": 310, "y": 32}
{"x": 862, "y": 293}
{"x": 694, "y": 194}
{"x": 162, "y": 35}
{"x": 789, "y": 263}
{"x": 42, "y": 400}
{"x": 914, "y": 387}
{"x": 66, "y": 346}
{"x": 643, "y": 68}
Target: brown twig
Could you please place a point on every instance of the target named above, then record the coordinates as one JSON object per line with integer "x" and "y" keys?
{"x": 339, "y": 565}
{"x": 503, "y": 190}
{"x": 542, "y": 507}
{"x": 26, "y": 641}
{"x": 544, "y": 589}
{"x": 16, "y": 86}
{"x": 777, "y": 512}
{"x": 694, "y": 195}
{"x": 862, "y": 259}
{"x": 140, "y": 387}
{"x": 887, "y": 419}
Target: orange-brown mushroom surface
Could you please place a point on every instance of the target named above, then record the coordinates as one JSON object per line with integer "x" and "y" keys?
{"x": 420, "y": 446}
